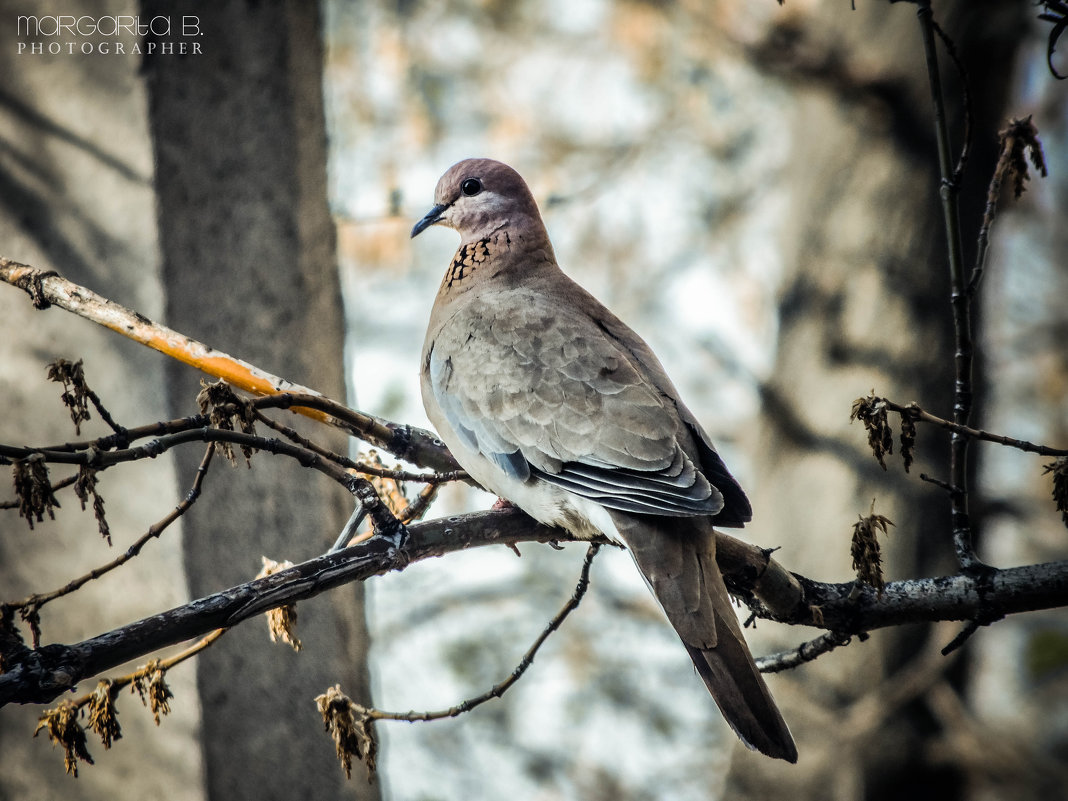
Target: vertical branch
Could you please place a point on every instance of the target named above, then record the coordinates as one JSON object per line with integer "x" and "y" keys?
{"x": 959, "y": 301}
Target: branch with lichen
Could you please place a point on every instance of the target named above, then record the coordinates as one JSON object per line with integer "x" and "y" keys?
{"x": 47, "y": 288}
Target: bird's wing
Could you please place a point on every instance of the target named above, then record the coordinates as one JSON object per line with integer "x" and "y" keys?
{"x": 543, "y": 389}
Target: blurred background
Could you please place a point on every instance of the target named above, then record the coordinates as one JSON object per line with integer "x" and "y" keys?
{"x": 752, "y": 187}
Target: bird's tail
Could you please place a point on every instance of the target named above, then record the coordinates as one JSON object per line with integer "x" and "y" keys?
{"x": 680, "y": 568}
{"x": 742, "y": 696}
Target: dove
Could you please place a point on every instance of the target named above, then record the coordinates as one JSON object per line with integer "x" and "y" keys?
{"x": 550, "y": 401}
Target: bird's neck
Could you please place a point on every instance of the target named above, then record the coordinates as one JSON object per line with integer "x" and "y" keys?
{"x": 503, "y": 256}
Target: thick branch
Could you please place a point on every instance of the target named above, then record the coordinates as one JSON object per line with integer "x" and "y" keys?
{"x": 39, "y": 676}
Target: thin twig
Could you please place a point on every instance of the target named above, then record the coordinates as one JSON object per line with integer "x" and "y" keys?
{"x": 100, "y": 460}
{"x": 105, "y": 415}
{"x": 945, "y": 485}
{"x": 162, "y": 664}
{"x": 917, "y": 413}
{"x": 963, "y": 636}
{"x": 966, "y": 102}
{"x": 405, "y": 442}
{"x": 499, "y": 689}
{"x": 417, "y": 508}
{"x": 360, "y": 467}
{"x": 38, "y": 600}
{"x": 1014, "y": 141}
{"x": 806, "y": 652}
{"x": 960, "y": 305}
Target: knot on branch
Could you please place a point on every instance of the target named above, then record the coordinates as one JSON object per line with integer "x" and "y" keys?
{"x": 383, "y": 520}
{"x": 29, "y": 280}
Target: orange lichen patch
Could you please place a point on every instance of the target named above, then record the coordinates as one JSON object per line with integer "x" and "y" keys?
{"x": 48, "y": 288}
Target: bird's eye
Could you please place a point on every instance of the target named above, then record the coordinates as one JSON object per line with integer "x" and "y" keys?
{"x": 472, "y": 186}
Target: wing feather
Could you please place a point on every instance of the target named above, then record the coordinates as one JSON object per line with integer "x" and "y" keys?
{"x": 560, "y": 398}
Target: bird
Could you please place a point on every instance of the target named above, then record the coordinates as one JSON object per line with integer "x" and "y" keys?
{"x": 550, "y": 401}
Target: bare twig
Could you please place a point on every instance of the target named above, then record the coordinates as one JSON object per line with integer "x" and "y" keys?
{"x": 499, "y": 689}
{"x": 405, "y": 442}
{"x": 806, "y": 652}
{"x": 352, "y": 725}
{"x": 417, "y": 508}
{"x": 154, "y": 448}
{"x": 959, "y": 302}
{"x": 970, "y": 627}
{"x": 917, "y": 413}
{"x": 944, "y": 485}
{"x": 365, "y": 467}
{"x": 38, "y": 600}
{"x": 966, "y": 102}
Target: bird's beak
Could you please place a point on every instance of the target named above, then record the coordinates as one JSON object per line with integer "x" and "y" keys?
{"x": 432, "y": 216}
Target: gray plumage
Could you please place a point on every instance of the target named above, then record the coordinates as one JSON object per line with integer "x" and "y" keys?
{"x": 547, "y": 399}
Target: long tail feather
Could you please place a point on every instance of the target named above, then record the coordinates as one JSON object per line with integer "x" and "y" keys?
{"x": 677, "y": 558}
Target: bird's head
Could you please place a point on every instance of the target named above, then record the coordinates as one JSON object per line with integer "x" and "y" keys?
{"x": 478, "y": 197}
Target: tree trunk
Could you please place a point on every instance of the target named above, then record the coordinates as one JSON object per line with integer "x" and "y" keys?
{"x": 249, "y": 266}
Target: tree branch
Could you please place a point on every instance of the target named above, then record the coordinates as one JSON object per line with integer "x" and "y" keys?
{"x": 959, "y": 302}
{"x": 39, "y": 676}
{"x": 50, "y": 289}
{"x": 917, "y": 413}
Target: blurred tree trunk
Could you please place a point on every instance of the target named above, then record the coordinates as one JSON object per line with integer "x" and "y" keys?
{"x": 249, "y": 266}
{"x": 865, "y": 304}
{"x": 76, "y": 196}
